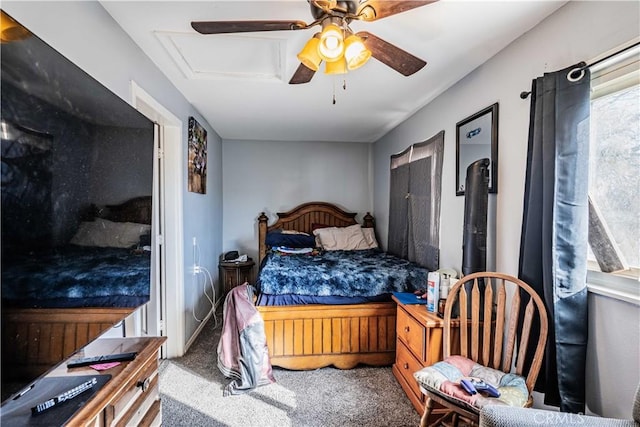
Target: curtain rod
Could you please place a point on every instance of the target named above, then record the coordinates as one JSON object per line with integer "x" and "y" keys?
{"x": 525, "y": 94}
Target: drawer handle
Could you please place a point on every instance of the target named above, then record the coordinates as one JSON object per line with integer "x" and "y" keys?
{"x": 144, "y": 384}
{"x": 406, "y": 329}
{"x": 406, "y": 366}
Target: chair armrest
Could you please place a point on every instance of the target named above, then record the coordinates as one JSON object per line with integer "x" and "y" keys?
{"x": 503, "y": 416}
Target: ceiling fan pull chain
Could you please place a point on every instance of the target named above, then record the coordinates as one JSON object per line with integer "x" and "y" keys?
{"x": 334, "y": 90}
{"x": 344, "y": 84}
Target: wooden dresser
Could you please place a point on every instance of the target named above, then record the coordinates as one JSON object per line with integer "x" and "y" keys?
{"x": 418, "y": 344}
{"x": 131, "y": 397}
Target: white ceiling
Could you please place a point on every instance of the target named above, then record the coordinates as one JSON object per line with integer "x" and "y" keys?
{"x": 239, "y": 82}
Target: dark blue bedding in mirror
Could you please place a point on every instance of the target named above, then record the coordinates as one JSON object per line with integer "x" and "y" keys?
{"x": 73, "y": 276}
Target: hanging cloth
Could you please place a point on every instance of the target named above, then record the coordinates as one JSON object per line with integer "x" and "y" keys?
{"x": 553, "y": 246}
{"x": 242, "y": 351}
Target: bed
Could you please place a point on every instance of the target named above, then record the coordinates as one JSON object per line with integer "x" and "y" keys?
{"x": 306, "y": 336}
{"x": 59, "y": 299}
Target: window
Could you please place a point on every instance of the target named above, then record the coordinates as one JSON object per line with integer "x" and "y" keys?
{"x": 414, "y": 202}
{"x": 614, "y": 167}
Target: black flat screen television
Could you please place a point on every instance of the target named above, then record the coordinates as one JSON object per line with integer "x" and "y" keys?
{"x": 77, "y": 179}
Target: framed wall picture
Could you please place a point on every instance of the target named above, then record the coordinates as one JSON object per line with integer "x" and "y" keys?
{"x": 477, "y": 138}
{"x": 197, "y": 157}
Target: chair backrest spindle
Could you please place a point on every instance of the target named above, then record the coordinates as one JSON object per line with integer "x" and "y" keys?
{"x": 511, "y": 331}
{"x": 524, "y": 336}
{"x": 464, "y": 340}
{"x": 488, "y": 323}
{"x": 501, "y": 307}
{"x": 475, "y": 320}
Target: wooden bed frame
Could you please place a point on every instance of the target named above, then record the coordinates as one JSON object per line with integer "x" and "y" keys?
{"x": 305, "y": 337}
{"x": 35, "y": 339}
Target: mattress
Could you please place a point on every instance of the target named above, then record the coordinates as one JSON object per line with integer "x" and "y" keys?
{"x": 336, "y": 277}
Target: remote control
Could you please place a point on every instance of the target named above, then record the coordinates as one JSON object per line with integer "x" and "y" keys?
{"x": 86, "y": 361}
{"x": 69, "y": 394}
{"x": 472, "y": 386}
{"x": 467, "y": 385}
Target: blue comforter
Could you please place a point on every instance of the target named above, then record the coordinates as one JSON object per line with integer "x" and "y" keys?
{"x": 340, "y": 273}
{"x": 76, "y": 276}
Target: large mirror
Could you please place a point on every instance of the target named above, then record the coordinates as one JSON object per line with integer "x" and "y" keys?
{"x": 77, "y": 174}
{"x": 477, "y": 138}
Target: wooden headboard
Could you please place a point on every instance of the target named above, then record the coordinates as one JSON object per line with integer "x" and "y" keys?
{"x": 302, "y": 217}
{"x": 136, "y": 210}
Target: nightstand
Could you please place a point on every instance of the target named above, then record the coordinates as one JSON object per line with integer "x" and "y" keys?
{"x": 234, "y": 273}
{"x": 418, "y": 344}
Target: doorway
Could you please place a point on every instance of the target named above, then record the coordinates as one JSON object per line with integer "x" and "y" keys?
{"x": 162, "y": 316}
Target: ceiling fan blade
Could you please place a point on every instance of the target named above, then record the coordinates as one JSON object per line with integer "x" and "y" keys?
{"x": 377, "y": 9}
{"x": 221, "y": 27}
{"x": 302, "y": 75}
{"x": 390, "y": 55}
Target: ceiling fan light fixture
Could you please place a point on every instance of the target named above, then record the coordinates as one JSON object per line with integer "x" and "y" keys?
{"x": 326, "y": 4}
{"x": 336, "y": 67}
{"x": 331, "y": 45}
{"x": 309, "y": 55}
{"x": 11, "y": 30}
{"x": 356, "y": 53}
{"x": 368, "y": 13}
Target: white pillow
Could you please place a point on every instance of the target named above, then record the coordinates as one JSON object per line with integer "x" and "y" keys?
{"x": 370, "y": 237}
{"x": 104, "y": 233}
{"x": 342, "y": 238}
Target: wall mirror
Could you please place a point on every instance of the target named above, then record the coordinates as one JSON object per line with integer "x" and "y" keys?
{"x": 477, "y": 138}
{"x": 77, "y": 179}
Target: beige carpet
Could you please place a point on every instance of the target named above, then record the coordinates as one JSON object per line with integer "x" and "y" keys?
{"x": 191, "y": 389}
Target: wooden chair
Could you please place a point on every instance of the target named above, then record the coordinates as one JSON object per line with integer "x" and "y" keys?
{"x": 485, "y": 334}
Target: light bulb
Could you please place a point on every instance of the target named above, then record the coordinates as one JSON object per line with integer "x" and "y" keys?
{"x": 355, "y": 52}
{"x": 331, "y": 43}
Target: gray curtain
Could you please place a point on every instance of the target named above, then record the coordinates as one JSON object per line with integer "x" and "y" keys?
{"x": 553, "y": 247}
{"x": 398, "y": 238}
{"x": 414, "y": 204}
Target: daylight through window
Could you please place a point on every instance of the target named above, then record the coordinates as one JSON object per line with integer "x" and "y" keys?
{"x": 614, "y": 167}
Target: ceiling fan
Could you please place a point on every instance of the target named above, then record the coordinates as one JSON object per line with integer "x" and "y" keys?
{"x": 336, "y": 44}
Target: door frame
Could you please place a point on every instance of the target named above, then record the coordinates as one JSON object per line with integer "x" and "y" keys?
{"x": 172, "y": 182}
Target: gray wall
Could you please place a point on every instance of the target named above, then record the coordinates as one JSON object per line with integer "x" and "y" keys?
{"x": 576, "y": 32}
{"x": 270, "y": 177}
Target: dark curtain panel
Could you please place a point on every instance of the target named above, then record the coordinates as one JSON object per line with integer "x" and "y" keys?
{"x": 397, "y": 243}
{"x": 553, "y": 247}
{"x": 414, "y": 205}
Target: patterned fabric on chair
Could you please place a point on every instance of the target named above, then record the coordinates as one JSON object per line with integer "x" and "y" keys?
{"x": 444, "y": 378}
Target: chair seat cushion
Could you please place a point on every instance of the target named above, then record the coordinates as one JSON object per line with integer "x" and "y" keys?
{"x": 444, "y": 378}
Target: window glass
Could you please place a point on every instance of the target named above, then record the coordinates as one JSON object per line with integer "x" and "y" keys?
{"x": 614, "y": 171}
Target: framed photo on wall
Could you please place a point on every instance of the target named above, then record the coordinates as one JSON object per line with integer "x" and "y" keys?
{"x": 197, "y": 160}
{"x": 477, "y": 138}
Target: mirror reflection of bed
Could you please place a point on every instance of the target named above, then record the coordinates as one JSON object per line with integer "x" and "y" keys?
{"x": 77, "y": 174}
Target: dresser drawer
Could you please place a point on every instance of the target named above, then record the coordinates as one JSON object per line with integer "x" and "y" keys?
{"x": 412, "y": 334}
{"x": 406, "y": 365}
{"x": 137, "y": 396}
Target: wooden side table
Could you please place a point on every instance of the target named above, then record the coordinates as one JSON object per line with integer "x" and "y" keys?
{"x": 234, "y": 273}
{"x": 418, "y": 344}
